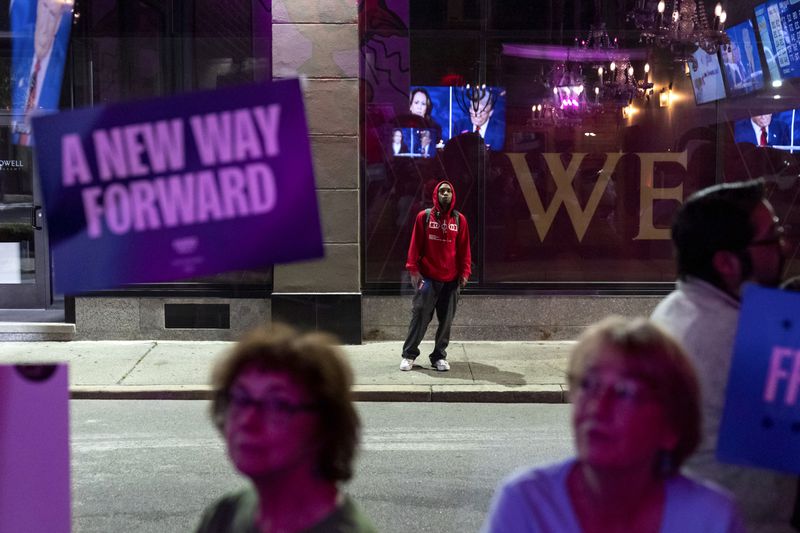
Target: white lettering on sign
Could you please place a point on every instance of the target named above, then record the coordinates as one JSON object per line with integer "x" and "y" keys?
{"x": 180, "y": 199}
{"x": 232, "y": 144}
{"x": 237, "y": 135}
{"x": 139, "y": 149}
{"x": 783, "y": 371}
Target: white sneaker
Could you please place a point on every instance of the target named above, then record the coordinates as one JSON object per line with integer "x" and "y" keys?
{"x": 406, "y": 364}
{"x": 441, "y": 365}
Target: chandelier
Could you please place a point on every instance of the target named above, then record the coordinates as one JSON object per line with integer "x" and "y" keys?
{"x": 616, "y": 83}
{"x": 680, "y": 26}
{"x": 475, "y": 98}
{"x": 619, "y": 85}
{"x": 593, "y": 77}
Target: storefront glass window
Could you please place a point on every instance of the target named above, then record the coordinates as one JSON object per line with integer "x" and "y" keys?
{"x": 569, "y": 175}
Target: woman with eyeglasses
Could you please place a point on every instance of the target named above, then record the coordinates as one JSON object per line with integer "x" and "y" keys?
{"x": 282, "y": 402}
{"x": 635, "y": 419}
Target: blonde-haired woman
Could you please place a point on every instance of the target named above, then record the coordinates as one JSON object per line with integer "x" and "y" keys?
{"x": 635, "y": 419}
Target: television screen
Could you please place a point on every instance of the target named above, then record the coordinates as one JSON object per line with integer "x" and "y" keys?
{"x": 410, "y": 142}
{"x": 707, "y": 78}
{"x": 776, "y": 130}
{"x": 740, "y": 61}
{"x": 779, "y": 27}
{"x": 457, "y": 110}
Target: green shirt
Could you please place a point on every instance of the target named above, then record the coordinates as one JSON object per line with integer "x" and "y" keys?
{"x": 236, "y": 513}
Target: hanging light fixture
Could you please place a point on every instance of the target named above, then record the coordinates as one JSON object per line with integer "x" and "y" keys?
{"x": 681, "y": 26}
{"x": 616, "y": 81}
{"x": 475, "y": 98}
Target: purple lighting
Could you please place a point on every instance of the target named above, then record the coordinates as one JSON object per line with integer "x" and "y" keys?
{"x": 570, "y": 53}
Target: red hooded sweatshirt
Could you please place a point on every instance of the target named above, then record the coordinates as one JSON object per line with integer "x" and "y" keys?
{"x": 441, "y": 250}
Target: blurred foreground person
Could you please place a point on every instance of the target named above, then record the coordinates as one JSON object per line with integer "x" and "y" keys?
{"x": 282, "y": 402}
{"x": 635, "y": 419}
{"x": 725, "y": 236}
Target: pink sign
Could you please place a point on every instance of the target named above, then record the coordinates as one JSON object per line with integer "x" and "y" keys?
{"x": 34, "y": 449}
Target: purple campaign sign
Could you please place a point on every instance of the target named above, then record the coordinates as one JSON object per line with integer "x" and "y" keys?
{"x": 760, "y": 424}
{"x": 178, "y": 187}
{"x": 34, "y": 448}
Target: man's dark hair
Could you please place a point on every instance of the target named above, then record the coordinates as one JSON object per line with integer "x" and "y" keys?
{"x": 715, "y": 219}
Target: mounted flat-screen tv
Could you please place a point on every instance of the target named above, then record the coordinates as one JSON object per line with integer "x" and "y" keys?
{"x": 779, "y": 27}
{"x": 452, "y": 113}
{"x": 782, "y": 130}
{"x": 741, "y": 64}
{"x": 707, "y": 79}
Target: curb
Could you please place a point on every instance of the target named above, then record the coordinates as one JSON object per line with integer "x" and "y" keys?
{"x": 361, "y": 393}
{"x": 140, "y": 392}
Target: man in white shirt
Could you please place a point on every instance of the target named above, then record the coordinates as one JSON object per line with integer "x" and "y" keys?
{"x": 725, "y": 236}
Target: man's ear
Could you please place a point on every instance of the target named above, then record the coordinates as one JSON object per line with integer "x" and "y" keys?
{"x": 729, "y": 267}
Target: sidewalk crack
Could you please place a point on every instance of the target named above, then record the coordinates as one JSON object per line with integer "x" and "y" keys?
{"x": 145, "y": 354}
{"x": 469, "y": 365}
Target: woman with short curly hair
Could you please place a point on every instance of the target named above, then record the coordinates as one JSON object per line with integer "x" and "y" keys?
{"x": 282, "y": 402}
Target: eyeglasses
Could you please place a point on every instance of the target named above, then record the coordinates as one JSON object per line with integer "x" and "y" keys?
{"x": 777, "y": 238}
{"x": 624, "y": 390}
{"x": 276, "y": 408}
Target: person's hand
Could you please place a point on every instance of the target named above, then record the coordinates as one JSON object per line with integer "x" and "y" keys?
{"x": 462, "y": 282}
{"x": 416, "y": 278}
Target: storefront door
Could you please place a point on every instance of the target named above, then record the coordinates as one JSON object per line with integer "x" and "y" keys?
{"x": 24, "y": 270}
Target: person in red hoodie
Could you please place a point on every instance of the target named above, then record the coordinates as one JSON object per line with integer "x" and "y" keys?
{"x": 439, "y": 264}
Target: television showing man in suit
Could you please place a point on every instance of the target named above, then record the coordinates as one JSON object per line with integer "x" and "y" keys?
{"x": 426, "y": 149}
{"x": 481, "y": 121}
{"x": 41, "y": 35}
{"x": 762, "y": 130}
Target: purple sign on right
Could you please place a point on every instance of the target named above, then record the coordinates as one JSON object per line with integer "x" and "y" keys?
{"x": 760, "y": 424}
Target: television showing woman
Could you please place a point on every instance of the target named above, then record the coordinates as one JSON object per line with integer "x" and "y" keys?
{"x": 398, "y": 145}
{"x": 635, "y": 419}
{"x": 421, "y": 105}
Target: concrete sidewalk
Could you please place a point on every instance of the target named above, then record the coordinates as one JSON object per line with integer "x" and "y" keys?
{"x": 480, "y": 371}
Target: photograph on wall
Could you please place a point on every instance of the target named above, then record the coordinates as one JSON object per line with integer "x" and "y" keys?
{"x": 707, "y": 79}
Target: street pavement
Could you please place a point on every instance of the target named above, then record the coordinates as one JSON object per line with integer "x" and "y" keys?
{"x": 507, "y": 372}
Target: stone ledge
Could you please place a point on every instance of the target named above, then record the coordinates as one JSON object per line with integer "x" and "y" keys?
{"x": 36, "y": 331}
{"x": 142, "y": 392}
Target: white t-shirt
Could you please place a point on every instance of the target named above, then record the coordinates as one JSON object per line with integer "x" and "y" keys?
{"x": 537, "y": 501}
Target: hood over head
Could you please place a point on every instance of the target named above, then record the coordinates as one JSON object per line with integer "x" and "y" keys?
{"x": 437, "y": 209}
